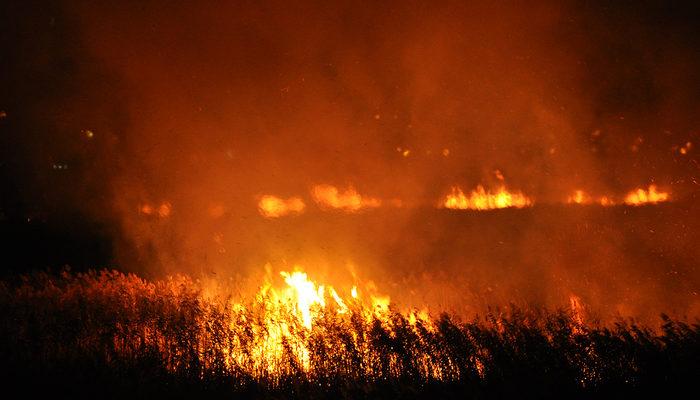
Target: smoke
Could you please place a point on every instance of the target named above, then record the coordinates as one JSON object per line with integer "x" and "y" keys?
{"x": 204, "y": 108}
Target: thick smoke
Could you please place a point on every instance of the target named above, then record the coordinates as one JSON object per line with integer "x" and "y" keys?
{"x": 203, "y": 108}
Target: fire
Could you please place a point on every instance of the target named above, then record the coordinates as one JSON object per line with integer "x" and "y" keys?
{"x": 641, "y": 196}
{"x": 579, "y": 197}
{"x": 274, "y": 207}
{"x": 163, "y": 210}
{"x": 287, "y": 315}
{"x": 328, "y": 196}
{"x": 480, "y": 199}
{"x": 634, "y": 198}
{"x": 305, "y": 294}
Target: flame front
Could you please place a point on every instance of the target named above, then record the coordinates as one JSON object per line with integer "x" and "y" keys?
{"x": 274, "y": 207}
{"x": 328, "y": 196}
{"x": 480, "y": 199}
{"x": 642, "y": 196}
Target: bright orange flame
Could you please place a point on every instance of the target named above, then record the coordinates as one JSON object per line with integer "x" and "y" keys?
{"x": 579, "y": 197}
{"x": 480, "y": 199}
{"x": 274, "y": 207}
{"x": 328, "y": 196}
{"x": 641, "y": 196}
{"x": 300, "y": 305}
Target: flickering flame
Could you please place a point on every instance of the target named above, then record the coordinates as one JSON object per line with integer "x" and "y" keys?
{"x": 163, "y": 210}
{"x": 480, "y": 199}
{"x": 634, "y": 198}
{"x": 146, "y": 209}
{"x": 579, "y": 197}
{"x": 274, "y": 207}
{"x": 300, "y": 305}
{"x": 642, "y": 196}
{"x": 328, "y": 196}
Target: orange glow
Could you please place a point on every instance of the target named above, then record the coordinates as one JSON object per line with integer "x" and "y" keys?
{"x": 216, "y": 210}
{"x": 328, "y": 196}
{"x": 164, "y": 210}
{"x": 579, "y": 197}
{"x": 274, "y": 207}
{"x": 161, "y": 211}
{"x": 146, "y": 209}
{"x": 480, "y": 199}
{"x": 641, "y": 196}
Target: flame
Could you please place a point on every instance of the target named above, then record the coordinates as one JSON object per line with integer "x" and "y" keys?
{"x": 579, "y": 197}
{"x": 634, "y": 198}
{"x": 480, "y": 199}
{"x": 641, "y": 196}
{"x": 163, "y": 210}
{"x": 146, "y": 209}
{"x": 328, "y": 196}
{"x": 274, "y": 207}
{"x": 290, "y": 313}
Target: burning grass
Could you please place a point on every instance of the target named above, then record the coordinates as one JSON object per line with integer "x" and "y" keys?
{"x": 123, "y": 334}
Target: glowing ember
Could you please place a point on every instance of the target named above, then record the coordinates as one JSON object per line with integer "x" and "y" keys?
{"x": 581, "y": 197}
{"x": 327, "y": 196}
{"x": 480, "y": 199}
{"x": 641, "y": 196}
{"x": 164, "y": 210}
{"x": 274, "y": 207}
{"x": 146, "y": 209}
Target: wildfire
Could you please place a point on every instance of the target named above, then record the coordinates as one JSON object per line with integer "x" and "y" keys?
{"x": 641, "y": 196}
{"x": 581, "y": 197}
{"x": 480, "y": 199}
{"x": 328, "y": 196}
{"x": 636, "y": 197}
{"x": 274, "y": 207}
{"x": 288, "y": 314}
{"x": 163, "y": 210}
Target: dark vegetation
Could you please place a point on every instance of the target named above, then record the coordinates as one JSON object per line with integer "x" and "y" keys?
{"x": 111, "y": 335}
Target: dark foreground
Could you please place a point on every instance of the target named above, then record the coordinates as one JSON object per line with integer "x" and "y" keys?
{"x": 109, "y": 335}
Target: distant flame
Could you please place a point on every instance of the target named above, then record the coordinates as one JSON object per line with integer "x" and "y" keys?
{"x": 579, "y": 197}
{"x": 274, "y": 207}
{"x": 163, "y": 210}
{"x": 641, "y": 196}
{"x": 328, "y": 196}
{"x": 480, "y": 199}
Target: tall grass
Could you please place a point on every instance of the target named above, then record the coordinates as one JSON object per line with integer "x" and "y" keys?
{"x": 109, "y": 334}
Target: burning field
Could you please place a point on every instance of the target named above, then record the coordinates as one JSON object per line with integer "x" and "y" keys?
{"x": 176, "y": 337}
{"x": 349, "y": 199}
